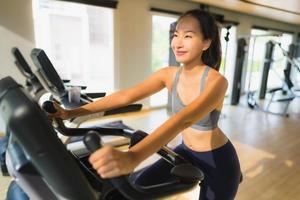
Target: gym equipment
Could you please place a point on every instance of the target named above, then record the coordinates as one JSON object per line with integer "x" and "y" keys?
{"x": 237, "y": 78}
{"x": 44, "y": 168}
{"x": 294, "y": 62}
{"x": 251, "y": 101}
{"x": 226, "y": 38}
{"x": 50, "y": 79}
{"x": 285, "y": 90}
{"x": 266, "y": 68}
{"x": 33, "y": 85}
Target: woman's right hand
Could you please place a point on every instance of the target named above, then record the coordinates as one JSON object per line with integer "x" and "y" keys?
{"x": 60, "y": 112}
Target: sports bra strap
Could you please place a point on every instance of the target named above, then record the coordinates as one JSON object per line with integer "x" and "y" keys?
{"x": 202, "y": 81}
{"x": 176, "y": 79}
{"x": 204, "y": 75}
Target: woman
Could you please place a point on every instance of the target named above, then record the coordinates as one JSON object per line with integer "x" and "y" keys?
{"x": 197, "y": 90}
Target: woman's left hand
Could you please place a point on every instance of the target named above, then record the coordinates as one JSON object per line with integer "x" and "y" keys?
{"x": 109, "y": 162}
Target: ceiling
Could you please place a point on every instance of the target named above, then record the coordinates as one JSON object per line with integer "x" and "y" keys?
{"x": 281, "y": 10}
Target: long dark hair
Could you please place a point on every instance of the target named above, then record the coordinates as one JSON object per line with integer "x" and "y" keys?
{"x": 209, "y": 29}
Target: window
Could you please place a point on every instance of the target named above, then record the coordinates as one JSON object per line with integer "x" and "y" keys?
{"x": 78, "y": 40}
{"x": 160, "y": 52}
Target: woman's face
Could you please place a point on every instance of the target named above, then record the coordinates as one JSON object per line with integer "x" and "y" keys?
{"x": 188, "y": 43}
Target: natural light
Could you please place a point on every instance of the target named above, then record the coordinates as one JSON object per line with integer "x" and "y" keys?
{"x": 160, "y": 52}
{"x": 79, "y": 41}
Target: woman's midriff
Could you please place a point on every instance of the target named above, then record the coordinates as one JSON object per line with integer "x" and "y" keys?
{"x": 204, "y": 140}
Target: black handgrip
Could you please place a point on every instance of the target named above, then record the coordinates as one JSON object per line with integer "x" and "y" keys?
{"x": 92, "y": 141}
{"x": 48, "y": 106}
{"x": 136, "y": 137}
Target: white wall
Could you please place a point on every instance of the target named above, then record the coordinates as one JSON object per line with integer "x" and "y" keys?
{"x": 134, "y": 42}
{"x": 16, "y": 29}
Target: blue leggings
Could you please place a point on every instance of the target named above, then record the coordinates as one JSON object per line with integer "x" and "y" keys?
{"x": 220, "y": 166}
{"x": 14, "y": 192}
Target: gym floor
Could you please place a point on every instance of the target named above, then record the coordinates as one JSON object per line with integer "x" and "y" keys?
{"x": 267, "y": 146}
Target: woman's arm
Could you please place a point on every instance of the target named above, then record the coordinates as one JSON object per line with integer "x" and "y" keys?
{"x": 110, "y": 163}
{"x": 124, "y": 97}
{"x": 209, "y": 99}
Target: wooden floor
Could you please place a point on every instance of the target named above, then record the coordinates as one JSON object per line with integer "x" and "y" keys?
{"x": 268, "y": 147}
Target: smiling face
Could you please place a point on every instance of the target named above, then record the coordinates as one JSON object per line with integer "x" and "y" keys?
{"x": 188, "y": 43}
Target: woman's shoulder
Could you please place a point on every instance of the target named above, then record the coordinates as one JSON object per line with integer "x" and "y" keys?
{"x": 168, "y": 74}
{"x": 168, "y": 70}
{"x": 214, "y": 75}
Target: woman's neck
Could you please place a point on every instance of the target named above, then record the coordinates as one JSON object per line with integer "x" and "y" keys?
{"x": 193, "y": 69}
{"x": 193, "y": 64}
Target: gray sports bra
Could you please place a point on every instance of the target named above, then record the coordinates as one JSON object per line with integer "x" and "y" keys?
{"x": 210, "y": 121}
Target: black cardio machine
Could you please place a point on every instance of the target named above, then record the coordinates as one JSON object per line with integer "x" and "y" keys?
{"x": 46, "y": 170}
{"x": 52, "y": 82}
{"x": 48, "y": 76}
{"x": 33, "y": 85}
{"x": 46, "y": 79}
